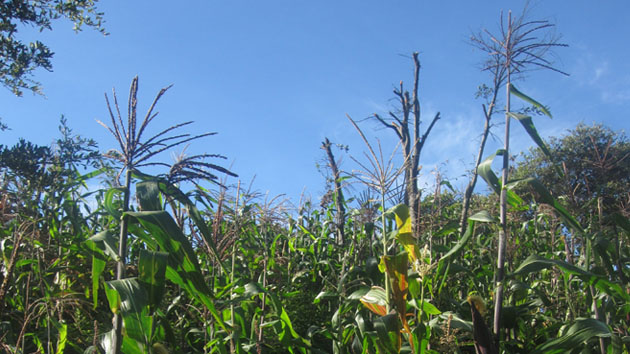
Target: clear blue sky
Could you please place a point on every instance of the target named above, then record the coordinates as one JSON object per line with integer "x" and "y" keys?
{"x": 274, "y": 78}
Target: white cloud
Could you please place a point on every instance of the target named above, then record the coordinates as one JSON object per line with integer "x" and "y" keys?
{"x": 616, "y": 97}
{"x": 598, "y": 74}
{"x": 599, "y": 71}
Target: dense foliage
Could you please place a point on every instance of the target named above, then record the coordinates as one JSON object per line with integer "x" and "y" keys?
{"x": 224, "y": 271}
{"x": 182, "y": 260}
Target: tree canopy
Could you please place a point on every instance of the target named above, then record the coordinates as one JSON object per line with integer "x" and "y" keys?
{"x": 18, "y": 60}
{"x": 595, "y": 164}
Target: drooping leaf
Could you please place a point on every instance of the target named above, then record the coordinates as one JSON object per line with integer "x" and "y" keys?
{"x": 454, "y": 251}
{"x": 388, "y": 333}
{"x": 375, "y": 300}
{"x": 132, "y": 299}
{"x": 543, "y": 196}
{"x": 580, "y": 332}
{"x": 181, "y": 256}
{"x": 175, "y": 193}
{"x": 485, "y": 171}
{"x": 148, "y": 194}
{"x": 325, "y": 295}
{"x": 401, "y": 214}
{"x": 621, "y": 221}
{"x": 527, "y": 123}
{"x": 426, "y": 307}
{"x": 535, "y": 263}
{"x": 99, "y": 245}
{"x": 62, "y": 338}
{"x": 483, "y": 216}
{"x": 183, "y": 267}
{"x": 524, "y": 97}
{"x": 396, "y": 267}
{"x": 404, "y": 234}
{"x": 106, "y": 242}
{"x": 111, "y": 204}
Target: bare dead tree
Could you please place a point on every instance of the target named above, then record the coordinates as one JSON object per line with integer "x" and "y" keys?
{"x": 340, "y": 218}
{"x": 487, "y": 112}
{"x": 406, "y": 124}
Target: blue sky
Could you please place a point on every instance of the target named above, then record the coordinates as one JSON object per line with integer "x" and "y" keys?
{"x": 274, "y": 78}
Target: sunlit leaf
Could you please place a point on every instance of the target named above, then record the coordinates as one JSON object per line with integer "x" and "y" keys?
{"x": 543, "y": 196}
{"x": 536, "y": 263}
{"x": 133, "y": 301}
{"x": 527, "y": 123}
{"x": 579, "y": 333}
{"x": 151, "y": 271}
{"x": 528, "y": 99}
{"x": 375, "y": 300}
{"x": 485, "y": 171}
{"x": 183, "y": 267}
{"x": 111, "y": 204}
{"x": 148, "y": 194}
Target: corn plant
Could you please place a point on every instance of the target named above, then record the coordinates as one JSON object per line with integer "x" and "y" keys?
{"x": 136, "y": 152}
{"x": 515, "y": 50}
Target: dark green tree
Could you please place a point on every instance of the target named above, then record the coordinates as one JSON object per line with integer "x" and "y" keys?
{"x": 596, "y": 165}
{"x": 18, "y": 59}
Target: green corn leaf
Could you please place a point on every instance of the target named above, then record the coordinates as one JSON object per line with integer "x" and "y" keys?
{"x": 483, "y": 216}
{"x": 325, "y": 295}
{"x": 528, "y": 124}
{"x": 524, "y": 97}
{"x": 151, "y": 274}
{"x": 105, "y": 241}
{"x": 100, "y": 245}
{"x": 132, "y": 299}
{"x": 183, "y": 267}
{"x": 388, "y": 333}
{"x": 485, "y": 171}
{"x": 169, "y": 237}
{"x": 148, "y": 194}
{"x": 579, "y": 333}
{"x": 62, "y": 338}
{"x": 621, "y": 221}
{"x": 427, "y": 307}
{"x": 111, "y": 204}
{"x": 543, "y": 196}
{"x": 536, "y": 263}
{"x": 461, "y": 243}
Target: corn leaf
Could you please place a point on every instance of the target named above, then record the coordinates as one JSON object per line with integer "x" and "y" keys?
{"x": 183, "y": 266}
{"x": 132, "y": 298}
{"x": 485, "y": 171}
{"x": 543, "y": 196}
{"x": 148, "y": 194}
{"x": 151, "y": 274}
{"x": 527, "y": 123}
{"x": 536, "y": 263}
{"x": 524, "y": 97}
{"x": 375, "y": 300}
{"x": 99, "y": 245}
{"x": 579, "y": 333}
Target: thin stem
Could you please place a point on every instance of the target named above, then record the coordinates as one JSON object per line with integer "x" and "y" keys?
{"x": 384, "y": 235}
{"x": 122, "y": 255}
{"x": 503, "y": 199}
